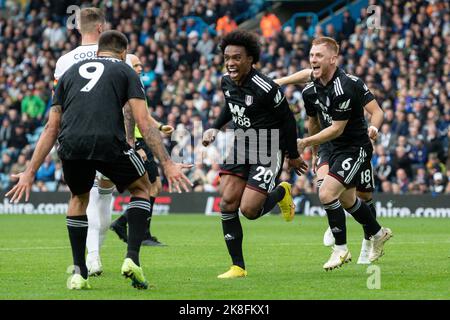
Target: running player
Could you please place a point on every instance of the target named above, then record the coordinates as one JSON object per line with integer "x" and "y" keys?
{"x": 338, "y": 100}
{"x": 365, "y": 184}
{"x": 255, "y": 104}
{"x": 87, "y": 120}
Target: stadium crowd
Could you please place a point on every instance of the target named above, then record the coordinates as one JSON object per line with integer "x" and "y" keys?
{"x": 405, "y": 63}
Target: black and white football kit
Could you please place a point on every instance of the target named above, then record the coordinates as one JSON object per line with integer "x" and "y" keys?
{"x": 349, "y": 155}
{"x": 258, "y": 109}
{"x": 92, "y": 135}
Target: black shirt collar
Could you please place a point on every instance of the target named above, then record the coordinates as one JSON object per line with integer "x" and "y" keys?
{"x": 248, "y": 77}
{"x": 338, "y": 72}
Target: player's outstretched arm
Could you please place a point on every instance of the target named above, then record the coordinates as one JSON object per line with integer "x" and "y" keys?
{"x": 302, "y": 76}
{"x": 152, "y": 138}
{"x": 281, "y": 110}
{"x": 313, "y": 128}
{"x": 376, "y": 118}
{"x": 327, "y": 134}
{"x": 44, "y": 145}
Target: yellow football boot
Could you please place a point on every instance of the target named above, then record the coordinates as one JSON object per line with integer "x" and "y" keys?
{"x": 286, "y": 204}
{"x": 234, "y": 272}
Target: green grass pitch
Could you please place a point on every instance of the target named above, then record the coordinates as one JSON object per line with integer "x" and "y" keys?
{"x": 284, "y": 261}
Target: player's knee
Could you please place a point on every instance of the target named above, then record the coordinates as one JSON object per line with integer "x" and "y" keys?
{"x": 250, "y": 212}
{"x": 347, "y": 199}
{"x": 364, "y": 196}
{"x": 105, "y": 184}
{"x": 326, "y": 196}
{"x": 140, "y": 188}
{"x": 80, "y": 199}
{"x": 228, "y": 204}
{"x": 346, "y": 202}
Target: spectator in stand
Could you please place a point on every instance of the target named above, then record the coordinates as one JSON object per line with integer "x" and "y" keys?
{"x": 402, "y": 181}
{"x": 402, "y": 160}
{"x": 434, "y": 142}
{"x": 438, "y": 183}
{"x": 46, "y": 172}
{"x": 18, "y": 140}
{"x": 400, "y": 126}
{"x": 17, "y": 168}
{"x": 386, "y": 187}
{"x": 212, "y": 179}
{"x": 434, "y": 164}
{"x": 206, "y": 46}
{"x": 33, "y": 106}
{"x": 225, "y": 24}
{"x": 386, "y": 137}
{"x": 270, "y": 25}
{"x": 6, "y": 132}
{"x": 383, "y": 171}
{"x": 5, "y": 169}
{"x": 54, "y": 33}
{"x": 418, "y": 153}
{"x": 348, "y": 25}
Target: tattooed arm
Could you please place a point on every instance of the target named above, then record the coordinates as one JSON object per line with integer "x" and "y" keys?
{"x": 173, "y": 171}
{"x": 129, "y": 123}
{"x": 44, "y": 145}
{"x": 149, "y": 132}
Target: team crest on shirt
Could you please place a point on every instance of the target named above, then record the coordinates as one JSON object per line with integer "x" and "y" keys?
{"x": 248, "y": 100}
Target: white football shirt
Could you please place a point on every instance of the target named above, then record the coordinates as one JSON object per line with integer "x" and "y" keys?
{"x": 78, "y": 54}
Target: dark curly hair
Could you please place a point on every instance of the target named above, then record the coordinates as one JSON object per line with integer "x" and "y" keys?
{"x": 245, "y": 39}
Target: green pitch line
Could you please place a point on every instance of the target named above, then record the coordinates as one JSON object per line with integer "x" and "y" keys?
{"x": 284, "y": 261}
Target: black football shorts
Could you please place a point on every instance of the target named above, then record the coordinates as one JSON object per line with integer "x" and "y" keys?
{"x": 260, "y": 177}
{"x": 323, "y": 156}
{"x": 123, "y": 171}
{"x": 353, "y": 169}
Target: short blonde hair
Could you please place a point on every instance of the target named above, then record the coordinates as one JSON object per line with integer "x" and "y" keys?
{"x": 329, "y": 42}
{"x": 90, "y": 18}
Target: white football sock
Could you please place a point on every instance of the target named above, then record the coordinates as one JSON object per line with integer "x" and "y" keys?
{"x": 92, "y": 240}
{"x": 99, "y": 217}
{"x": 366, "y": 244}
{"x": 104, "y": 205}
{"x": 379, "y": 234}
{"x": 341, "y": 247}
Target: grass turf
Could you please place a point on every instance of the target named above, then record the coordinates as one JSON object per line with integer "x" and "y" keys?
{"x": 284, "y": 261}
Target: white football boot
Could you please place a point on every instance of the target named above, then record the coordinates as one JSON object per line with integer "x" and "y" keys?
{"x": 366, "y": 247}
{"x": 94, "y": 266}
{"x": 328, "y": 238}
{"x": 378, "y": 244}
{"x": 337, "y": 259}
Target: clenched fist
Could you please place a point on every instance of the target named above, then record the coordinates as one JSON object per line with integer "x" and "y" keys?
{"x": 209, "y": 136}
